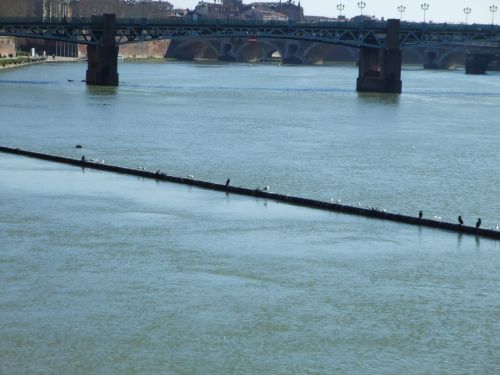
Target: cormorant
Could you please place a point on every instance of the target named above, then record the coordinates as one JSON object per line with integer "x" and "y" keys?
{"x": 83, "y": 157}
{"x": 478, "y": 224}
{"x": 460, "y": 220}
{"x": 78, "y": 146}
{"x": 228, "y": 182}
{"x": 420, "y": 214}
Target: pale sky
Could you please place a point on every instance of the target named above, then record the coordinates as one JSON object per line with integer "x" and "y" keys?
{"x": 439, "y": 10}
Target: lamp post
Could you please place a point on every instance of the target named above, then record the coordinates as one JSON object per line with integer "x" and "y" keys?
{"x": 467, "y": 11}
{"x": 425, "y": 8}
{"x": 340, "y": 8}
{"x": 361, "y": 5}
{"x": 493, "y": 9}
{"x": 401, "y": 10}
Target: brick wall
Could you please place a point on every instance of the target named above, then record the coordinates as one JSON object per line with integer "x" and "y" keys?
{"x": 7, "y": 46}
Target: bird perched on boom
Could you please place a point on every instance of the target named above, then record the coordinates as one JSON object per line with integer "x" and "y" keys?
{"x": 478, "y": 224}
{"x": 460, "y": 220}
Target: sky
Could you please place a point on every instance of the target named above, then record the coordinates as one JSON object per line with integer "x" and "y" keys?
{"x": 439, "y": 10}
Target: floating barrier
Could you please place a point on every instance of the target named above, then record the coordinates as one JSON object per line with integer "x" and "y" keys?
{"x": 298, "y": 201}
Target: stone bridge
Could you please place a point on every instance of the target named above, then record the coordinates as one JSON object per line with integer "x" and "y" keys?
{"x": 379, "y": 44}
{"x": 265, "y": 50}
{"x": 247, "y": 50}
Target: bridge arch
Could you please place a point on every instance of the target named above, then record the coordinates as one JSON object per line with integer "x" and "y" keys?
{"x": 452, "y": 58}
{"x": 318, "y": 53}
{"x": 494, "y": 63}
{"x": 253, "y": 51}
{"x": 413, "y": 56}
{"x": 196, "y": 49}
{"x": 292, "y": 53}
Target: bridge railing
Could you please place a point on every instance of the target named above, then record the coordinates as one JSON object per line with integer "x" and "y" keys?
{"x": 409, "y": 26}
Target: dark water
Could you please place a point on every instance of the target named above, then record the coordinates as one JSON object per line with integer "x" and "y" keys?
{"x": 111, "y": 274}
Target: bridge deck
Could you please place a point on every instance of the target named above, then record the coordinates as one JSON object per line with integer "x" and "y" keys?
{"x": 370, "y": 34}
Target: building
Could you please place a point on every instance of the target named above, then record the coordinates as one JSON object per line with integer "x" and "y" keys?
{"x": 211, "y": 11}
{"x": 288, "y": 8}
{"x": 263, "y": 14}
{"x": 7, "y": 47}
{"x": 262, "y": 11}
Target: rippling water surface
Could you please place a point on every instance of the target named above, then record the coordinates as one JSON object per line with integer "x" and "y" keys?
{"x": 111, "y": 274}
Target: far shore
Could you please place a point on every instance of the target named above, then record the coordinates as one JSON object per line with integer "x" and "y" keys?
{"x": 22, "y": 61}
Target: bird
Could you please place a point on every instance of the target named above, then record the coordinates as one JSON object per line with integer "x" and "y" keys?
{"x": 266, "y": 188}
{"x": 478, "y": 224}
{"x": 228, "y": 182}
{"x": 78, "y": 146}
{"x": 460, "y": 219}
{"x": 420, "y": 214}
{"x": 191, "y": 176}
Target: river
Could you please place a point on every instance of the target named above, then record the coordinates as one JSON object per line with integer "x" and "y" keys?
{"x": 103, "y": 273}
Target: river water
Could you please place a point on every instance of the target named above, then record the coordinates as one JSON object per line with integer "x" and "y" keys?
{"x": 112, "y": 274}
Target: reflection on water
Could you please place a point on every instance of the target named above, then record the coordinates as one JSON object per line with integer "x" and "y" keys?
{"x": 101, "y": 90}
{"x": 381, "y": 98}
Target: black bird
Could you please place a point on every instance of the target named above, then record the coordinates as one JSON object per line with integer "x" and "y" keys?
{"x": 83, "y": 157}
{"x": 420, "y": 214}
{"x": 478, "y": 224}
{"x": 460, "y": 220}
{"x": 78, "y": 146}
{"x": 228, "y": 181}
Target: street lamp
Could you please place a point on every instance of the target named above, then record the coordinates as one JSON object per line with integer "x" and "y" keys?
{"x": 493, "y": 9}
{"x": 340, "y": 8}
{"x": 401, "y": 10}
{"x": 361, "y": 5}
{"x": 425, "y": 8}
{"x": 467, "y": 11}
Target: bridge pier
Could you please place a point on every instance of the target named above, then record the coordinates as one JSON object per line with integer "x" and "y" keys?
{"x": 102, "y": 65}
{"x": 476, "y": 63}
{"x": 380, "y": 69}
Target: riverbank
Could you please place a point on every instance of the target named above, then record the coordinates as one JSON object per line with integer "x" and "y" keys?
{"x": 18, "y": 62}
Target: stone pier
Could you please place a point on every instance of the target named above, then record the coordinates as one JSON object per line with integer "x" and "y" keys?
{"x": 477, "y": 63}
{"x": 102, "y": 68}
{"x": 380, "y": 69}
